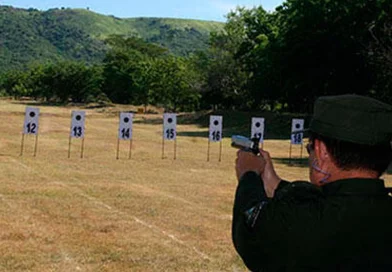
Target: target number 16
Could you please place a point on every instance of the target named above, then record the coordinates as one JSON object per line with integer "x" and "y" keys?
{"x": 216, "y": 135}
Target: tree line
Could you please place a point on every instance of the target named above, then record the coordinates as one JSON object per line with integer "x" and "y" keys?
{"x": 279, "y": 61}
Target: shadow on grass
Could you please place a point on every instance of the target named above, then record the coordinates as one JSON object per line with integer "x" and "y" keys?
{"x": 62, "y": 104}
{"x": 278, "y": 125}
{"x": 149, "y": 121}
{"x": 99, "y": 106}
{"x": 193, "y": 133}
{"x": 296, "y": 162}
{"x": 38, "y": 104}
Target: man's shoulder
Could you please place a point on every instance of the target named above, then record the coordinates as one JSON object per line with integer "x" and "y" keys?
{"x": 298, "y": 191}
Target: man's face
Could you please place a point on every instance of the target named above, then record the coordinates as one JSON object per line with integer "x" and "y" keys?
{"x": 319, "y": 162}
{"x": 310, "y": 150}
{"x": 314, "y": 175}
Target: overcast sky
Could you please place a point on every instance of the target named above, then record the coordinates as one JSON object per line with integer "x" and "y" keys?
{"x": 214, "y": 10}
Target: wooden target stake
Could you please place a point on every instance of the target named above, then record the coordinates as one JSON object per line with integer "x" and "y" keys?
{"x": 163, "y": 148}
{"x": 220, "y": 151}
{"x": 130, "y": 149}
{"x": 118, "y": 140}
{"x": 22, "y": 145}
{"x": 291, "y": 147}
{"x": 175, "y": 148}
{"x": 69, "y": 147}
{"x": 36, "y": 145}
{"x": 208, "y": 150}
{"x": 302, "y": 147}
{"x": 82, "y": 149}
{"x": 118, "y": 148}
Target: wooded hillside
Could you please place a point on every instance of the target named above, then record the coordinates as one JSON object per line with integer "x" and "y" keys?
{"x": 78, "y": 34}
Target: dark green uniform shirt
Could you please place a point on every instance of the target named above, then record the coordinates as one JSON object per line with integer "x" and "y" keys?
{"x": 342, "y": 226}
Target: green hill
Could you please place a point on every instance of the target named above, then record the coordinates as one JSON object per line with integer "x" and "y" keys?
{"x": 29, "y": 35}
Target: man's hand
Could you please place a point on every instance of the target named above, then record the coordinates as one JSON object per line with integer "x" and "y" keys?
{"x": 270, "y": 178}
{"x": 261, "y": 165}
{"x": 246, "y": 162}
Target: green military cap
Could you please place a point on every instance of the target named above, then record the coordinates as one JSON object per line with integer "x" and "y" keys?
{"x": 353, "y": 118}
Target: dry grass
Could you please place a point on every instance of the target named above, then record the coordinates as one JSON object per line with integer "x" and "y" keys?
{"x": 103, "y": 214}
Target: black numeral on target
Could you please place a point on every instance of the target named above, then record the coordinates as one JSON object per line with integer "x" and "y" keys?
{"x": 170, "y": 133}
{"x": 216, "y": 135}
{"x": 297, "y": 138}
{"x": 77, "y": 131}
{"x": 31, "y": 128}
{"x": 125, "y": 132}
{"x": 257, "y": 135}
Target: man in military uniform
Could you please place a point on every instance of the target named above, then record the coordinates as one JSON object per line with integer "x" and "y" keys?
{"x": 342, "y": 219}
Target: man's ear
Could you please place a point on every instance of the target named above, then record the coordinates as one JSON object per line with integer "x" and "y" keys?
{"x": 321, "y": 152}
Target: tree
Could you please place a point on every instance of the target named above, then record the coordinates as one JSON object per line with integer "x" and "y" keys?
{"x": 171, "y": 85}
{"x": 66, "y": 81}
{"x": 252, "y": 32}
{"x": 378, "y": 51}
{"x": 142, "y": 73}
{"x": 303, "y": 50}
{"x": 121, "y": 62}
{"x": 321, "y": 49}
{"x": 238, "y": 61}
{"x": 13, "y": 83}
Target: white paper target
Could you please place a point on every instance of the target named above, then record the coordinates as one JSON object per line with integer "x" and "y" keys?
{"x": 297, "y": 125}
{"x": 125, "y": 126}
{"x": 257, "y": 130}
{"x": 31, "y": 121}
{"x": 77, "y": 124}
{"x": 169, "y": 126}
{"x": 215, "y": 128}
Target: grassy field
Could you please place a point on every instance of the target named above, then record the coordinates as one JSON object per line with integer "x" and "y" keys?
{"x": 103, "y": 214}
